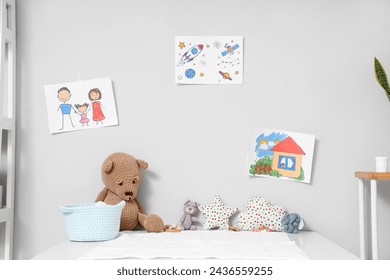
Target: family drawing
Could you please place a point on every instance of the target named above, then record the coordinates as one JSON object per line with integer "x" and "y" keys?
{"x": 94, "y": 95}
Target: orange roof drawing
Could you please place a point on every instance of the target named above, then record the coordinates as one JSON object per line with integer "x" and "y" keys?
{"x": 288, "y": 145}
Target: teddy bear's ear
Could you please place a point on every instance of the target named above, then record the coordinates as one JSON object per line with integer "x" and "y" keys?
{"x": 142, "y": 164}
{"x": 108, "y": 166}
{"x": 186, "y": 202}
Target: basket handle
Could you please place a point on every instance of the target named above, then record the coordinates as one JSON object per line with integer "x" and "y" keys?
{"x": 121, "y": 204}
{"x": 64, "y": 209}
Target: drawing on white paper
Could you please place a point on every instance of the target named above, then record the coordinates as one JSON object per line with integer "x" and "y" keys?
{"x": 80, "y": 105}
{"x": 209, "y": 59}
{"x": 281, "y": 154}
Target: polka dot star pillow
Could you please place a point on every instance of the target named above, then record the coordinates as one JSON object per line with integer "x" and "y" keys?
{"x": 261, "y": 213}
{"x": 217, "y": 214}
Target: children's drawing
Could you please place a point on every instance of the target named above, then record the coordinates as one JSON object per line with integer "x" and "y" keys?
{"x": 97, "y": 114}
{"x": 229, "y": 49}
{"x": 190, "y": 55}
{"x": 83, "y": 110}
{"x": 281, "y": 154}
{"x": 72, "y": 106}
{"x": 209, "y": 59}
{"x": 63, "y": 94}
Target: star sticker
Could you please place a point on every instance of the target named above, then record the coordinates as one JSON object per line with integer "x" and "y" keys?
{"x": 201, "y": 74}
{"x": 182, "y": 45}
{"x": 217, "y": 214}
{"x": 237, "y": 72}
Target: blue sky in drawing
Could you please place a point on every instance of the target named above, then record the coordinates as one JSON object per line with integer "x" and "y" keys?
{"x": 264, "y": 143}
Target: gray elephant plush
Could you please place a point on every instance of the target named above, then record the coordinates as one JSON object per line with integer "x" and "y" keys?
{"x": 292, "y": 223}
{"x": 190, "y": 210}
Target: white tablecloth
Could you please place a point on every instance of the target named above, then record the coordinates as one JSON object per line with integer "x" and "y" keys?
{"x": 198, "y": 244}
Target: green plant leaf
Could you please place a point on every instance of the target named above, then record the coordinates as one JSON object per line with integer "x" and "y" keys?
{"x": 381, "y": 77}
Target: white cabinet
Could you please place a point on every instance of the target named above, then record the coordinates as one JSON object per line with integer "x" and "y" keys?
{"x": 7, "y": 119}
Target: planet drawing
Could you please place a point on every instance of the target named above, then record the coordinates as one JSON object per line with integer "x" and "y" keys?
{"x": 225, "y": 75}
{"x": 190, "y": 73}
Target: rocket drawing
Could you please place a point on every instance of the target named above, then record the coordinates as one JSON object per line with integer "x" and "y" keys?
{"x": 190, "y": 54}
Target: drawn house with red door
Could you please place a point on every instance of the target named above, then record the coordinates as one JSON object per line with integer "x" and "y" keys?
{"x": 287, "y": 159}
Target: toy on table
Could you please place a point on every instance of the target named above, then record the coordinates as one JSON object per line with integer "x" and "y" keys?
{"x": 292, "y": 223}
{"x": 190, "y": 210}
{"x": 121, "y": 174}
{"x": 261, "y": 213}
{"x": 172, "y": 228}
{"x": 217, "y": 214}
{"x": 233, "y": 228}
{"x": 262, "y": 229}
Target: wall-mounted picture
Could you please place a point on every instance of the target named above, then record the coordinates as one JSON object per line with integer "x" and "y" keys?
{"x": 80, "y": 105}
{"x": 281, "y": 154}
{"x": 209, "y": 59}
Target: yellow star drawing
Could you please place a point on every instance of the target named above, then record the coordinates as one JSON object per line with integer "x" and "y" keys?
{"x": 201, "y": 74}
{"x": 237, "y": 72}
{"x": 182, "y": 45}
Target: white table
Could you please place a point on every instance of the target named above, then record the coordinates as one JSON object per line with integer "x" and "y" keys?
{"x": 373, "y": 177}
{"x": 314, "y": 245}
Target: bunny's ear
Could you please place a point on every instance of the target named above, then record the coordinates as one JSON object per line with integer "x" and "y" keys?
{"x": 108, "y": 166}
{"x": 142, "y": 164}
{"x": 301, "y": 224}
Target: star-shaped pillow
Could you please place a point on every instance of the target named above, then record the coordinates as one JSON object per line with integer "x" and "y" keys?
{"x": 217, "y": 214}
{"x": 261, "y": 213}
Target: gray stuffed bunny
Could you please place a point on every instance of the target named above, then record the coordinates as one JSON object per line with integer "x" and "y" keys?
{"x": 190, "y": 209}
{"x": 292, "y": 223}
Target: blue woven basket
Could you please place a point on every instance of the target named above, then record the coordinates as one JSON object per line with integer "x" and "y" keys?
{"x": 91, "y": 222}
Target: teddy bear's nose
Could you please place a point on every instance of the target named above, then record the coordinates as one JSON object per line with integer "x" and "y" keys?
{"x": 129, "y": 193}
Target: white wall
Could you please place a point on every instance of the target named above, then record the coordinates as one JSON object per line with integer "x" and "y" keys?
{"x": 311, "y": 60}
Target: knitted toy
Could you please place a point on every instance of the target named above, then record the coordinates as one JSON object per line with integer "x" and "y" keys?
{"x": 121, "y": 174}
{"x": 292, "y": 223}
{"x": 190, "y": 209}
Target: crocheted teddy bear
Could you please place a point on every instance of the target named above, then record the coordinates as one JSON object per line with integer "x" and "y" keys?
{"x": 121, "y": 174}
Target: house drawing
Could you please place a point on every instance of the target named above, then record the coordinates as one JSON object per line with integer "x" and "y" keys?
{"x": 287, "y": 159}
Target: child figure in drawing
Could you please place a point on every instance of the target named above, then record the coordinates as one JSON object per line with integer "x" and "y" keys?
{"x": 63, "y": 94}
{"x": 97, "y": 114}
{"x": 83, "y": 109}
